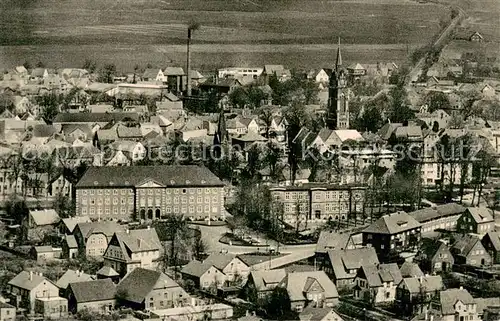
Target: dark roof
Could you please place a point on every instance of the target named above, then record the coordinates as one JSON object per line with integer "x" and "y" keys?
{"x": 179, "y": 175}
{"x": 107, "y": 271}
{"x": 392, "y": 224}
{"x": 220, "y": 260}
{"x": 330, "y": 240}
{"x": 90, "y": 291}
{"x": 23, "y": 281}
{"x": 94, "y": 117}
{"x": 410, "y": 270}
{"x": 107, "y": 228}
{"x": 196, "y": 268}
{"x": 449, "y": 298}
{"x": 429, "y": 248}
{"x": 431, "y": 213}
{"x": 140, "y": 282}
{"x": 465, "y": 244}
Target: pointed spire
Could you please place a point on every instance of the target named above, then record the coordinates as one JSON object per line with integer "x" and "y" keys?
{"x": 339, "y": 57}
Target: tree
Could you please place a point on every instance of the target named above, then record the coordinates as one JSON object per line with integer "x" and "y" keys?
{"x": 437, "y": 100}
{"x": 370, "y": 120}
{"x": 255, "y": 96}
{"x": 399, "y": 111}
{"x": 89, "y": 65}
{"x": 17, "y": 210}
{"x": 273, "y": 153}
{"x": 107, "y": 73}
{"x": 266, "y": 115}
{"x": 177, "y": 231}
{"x": 40, "y": 64}
{"x": 278, "y": 304}
{"x": 49, "y": 104}
{"x": 199, "y": 248}
{"x": 238, "y": 97}
{"x": 64, "y": 206}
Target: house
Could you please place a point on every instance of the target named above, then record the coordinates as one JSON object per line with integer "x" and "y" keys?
{"x": 376, "y": 284}
{"x": 70, "y": 247}
{"x": 260, "y": 284}
{"x": 456, "y": 304}
{"x": 329, "y": 240}
{"x": 410, "y": 270}
{"x": 7, "y": 312}
{"x": 393, "y": 233}
{"x": 51, "y": 308}
{"x": 40, "y": 222}
{"x": 310, "y": 289}
{"x": 477, "y": 220}
{"x": 45, "y": 253}
{"x": 443, "y": 216}
{"x": 95, "y": 120}
{"x": 96, "y": 295}
{"x": 476, "y": 37}
{"x": 175, "y": 78}
{"x": 93, "y": 237}
{"x": 68, "y": 225}
{"x": 231, "y": 265}
{"x": 414, "y": 292}
{"x": 151, "y": 192}
{"x": 38, "y": 74}
{"x": 152, "y": 74}
{"x": 71, "y": 276}
{"x": 491, "y": 243}
{"x": 356, "y": 70}
{"x": 147, "y": 290}
{"x": 342, "y": 265}
{"x": 200, "y": 311}
{"x": 132, "y": 249}
{"x": 125, "y": 152}
{"x": 107, "y": 272}
{"x": 469, "y": 250}
{"x": 487, "y": 308}
{"x": 322, "y": 77}
{"x": 27, "y": 286}
{"x": 319, "y": 314}
{"x": 277, "y": 71}
{"x": 203, "y": 275}
{"x": 435, "y": 256}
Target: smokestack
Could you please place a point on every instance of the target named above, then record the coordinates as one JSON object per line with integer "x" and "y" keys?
{"x": 188, "y": 76}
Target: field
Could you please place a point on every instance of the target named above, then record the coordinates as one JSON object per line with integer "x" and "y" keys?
{"x": 298, "y": 33}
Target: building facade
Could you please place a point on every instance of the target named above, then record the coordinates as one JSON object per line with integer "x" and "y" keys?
{"x": 319, "y": 202}
{"x": 150, "y": 192}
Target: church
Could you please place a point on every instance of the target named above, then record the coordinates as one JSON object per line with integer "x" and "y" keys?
{"x": 338, "y": 96}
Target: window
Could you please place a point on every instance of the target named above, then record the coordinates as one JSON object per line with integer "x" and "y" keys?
{"x": 191, "y": 209}
{"x": 168, "y": 209}
{"x": 122, "y": 192}
{"x": 124, "y": 201}
{"x": 215, "y": 199}
{"x": 115, "y": 211}
{"x": 122, "y": 211}
{"x": 107, "y": 201}
{"x": 99, "y": 192}
{"x": 199, "y": 209}
{"x": 184, "y": 191}
{"x": 92, "y": 201}
{"x": 198, "y": 190}
{"x": 84, "y": 200}
{"x": 199, "y": 199}
{"x": 176, "y": 200}
{"x": 84, "y": 192}
{"x": 115, "y": 192}
{"x": 84, "y": 211}
{"x": 207, "y": 190}
{"x": 207, "y": 199}
{"x": 184, "y": 200}
{"x": 115, "y": 201}
{"x": 106, "y": 211}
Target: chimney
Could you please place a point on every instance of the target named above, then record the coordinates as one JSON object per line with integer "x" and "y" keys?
{"x": 247, "y": 313}
{"x": 421, "y": 279}
{"x": 149, "y": 227}
{"x": 461, "y": 287}
{"x": 41, "y": 274}
{"x": 127, "y": 231}
{"x": 31, "y": 275}
{"x": 139, "y": 243}
{"x": 431, "y": 318}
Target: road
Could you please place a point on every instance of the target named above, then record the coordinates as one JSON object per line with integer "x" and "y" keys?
{"x": 417, "y": 69}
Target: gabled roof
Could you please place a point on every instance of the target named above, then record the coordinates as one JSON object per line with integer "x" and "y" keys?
{"x": 42, "y": 130}
{"x": 424, "y": 283}
{"x": 449, "y": 298}
{"x": 495, "y": 239}
{"x": 22, "y": 280}
{"x": 71, "y": 241}
{"x": 481, "y": 214}
{"x": 343, "y": 261}
{"x": 330, "y": 240}
{"x": 348, "y": 134}
{"x": 431, "y": 213}
{"x": 295, "y": 284}
{"x": 220, "y": 260}
{"x": 392, "y": 224}
{"x": 91, "y": 291}
{"x": 410, "y": 270}
{"x": 465, "y": 244}
{"x": 107, "y": 271}
{"x": 197, "y": 268}
{"x": 429, "y": 248}
{"x": 173, "y": 71}
{"x": 72, "y": 276}
{"x": 71, "y": 222}
{"x": 44, "y": 217}
{"x": 377, "y": 275}
{"x": 151, "y": 73}
{"x": 266, "y": 280}
{"x": 251, "y": 137}
{"x": 386, "y": 131}
{"x": 484, "y": 303}
{"x": 180, "y": 175}
{"x": 311, "y": 313}
{"x": 133, "y": 241}
{"x": 141, "y": 282}
{"x": 107, "y": 228}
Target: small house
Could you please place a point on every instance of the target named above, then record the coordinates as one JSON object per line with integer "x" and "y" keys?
{"x": 491, "y": 243}
{"x": 71, "y": 276}
{"x": 97, "y": 296}
{"x": 435, "y": 257}
{"x": 477, "y": 220}
{"x": 28, "y": 286}
{"x": 262, "y": 283}
{"x": 40, "y": 222}
{"x": 45, "y": 253}
{"x": 469, "y": 250}
{"x": 376, "y": 284}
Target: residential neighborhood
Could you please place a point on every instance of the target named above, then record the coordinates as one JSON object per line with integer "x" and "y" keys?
{"x": 355, "y": 190}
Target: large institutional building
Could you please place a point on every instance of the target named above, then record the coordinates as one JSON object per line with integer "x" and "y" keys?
{"x": 149, "y": 192}
{"x": 319, "y": 202}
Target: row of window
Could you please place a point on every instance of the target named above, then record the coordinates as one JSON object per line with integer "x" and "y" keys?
{"x": 191, "y": 209}
{"x": 107, "y": 211}
{"x": 106, "y": 201}
{"x": 156, "y": 191}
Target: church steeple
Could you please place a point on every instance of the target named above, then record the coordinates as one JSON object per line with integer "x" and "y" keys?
{"x": 338, "y": 64}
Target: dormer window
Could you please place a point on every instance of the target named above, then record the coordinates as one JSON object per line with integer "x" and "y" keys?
{"x": 188, "y": 181}
{"x": 172, "y": 182}
{"x": 96, "y": 183}
{"x": 203, "y": 181}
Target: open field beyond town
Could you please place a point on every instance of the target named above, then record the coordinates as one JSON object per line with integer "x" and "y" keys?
{"x": 139, "y": 32}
